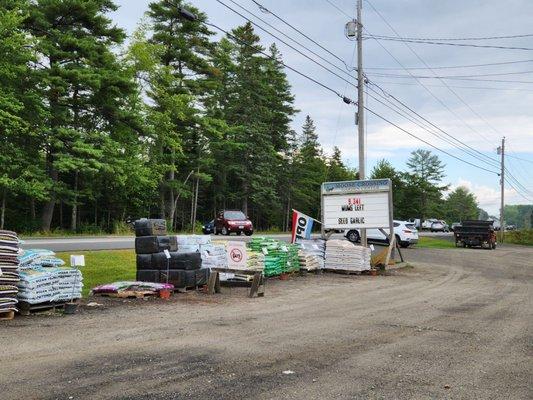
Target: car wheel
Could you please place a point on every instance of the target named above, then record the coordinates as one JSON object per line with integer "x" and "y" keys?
{"x": 248, "y": 233}
{"x": 353, "y": 236}
{"x": 225, "y": 231}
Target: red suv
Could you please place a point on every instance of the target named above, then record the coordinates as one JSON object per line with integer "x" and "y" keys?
{"x": 228, "y": 221}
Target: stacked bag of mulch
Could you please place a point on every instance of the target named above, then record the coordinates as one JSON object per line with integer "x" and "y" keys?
{"x": 44, "y": 278}
{"x": 9, "y": 277}
{"x": 182, "y": 269}
{"x": 346, "y": 256}
{"x": 312, "y": 253}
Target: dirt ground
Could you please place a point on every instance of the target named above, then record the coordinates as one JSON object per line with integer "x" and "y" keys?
{"x": 455, "y": 326}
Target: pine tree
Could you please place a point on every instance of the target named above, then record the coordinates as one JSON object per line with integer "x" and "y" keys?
{"x": 337, "y": 171}
{"x": 178, "y": 89}
{"x": 83, "y": 89}
{"x": 19, "y": 169}
{"x": 312, "y": 170}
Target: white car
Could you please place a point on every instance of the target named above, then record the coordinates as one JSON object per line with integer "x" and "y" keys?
{"x": 428, "y": 222}
{"x": 405, "y": 231}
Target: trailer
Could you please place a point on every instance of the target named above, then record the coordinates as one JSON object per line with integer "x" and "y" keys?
{"x": 474, "y": 233}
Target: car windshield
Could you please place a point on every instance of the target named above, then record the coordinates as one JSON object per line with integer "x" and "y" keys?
{"x": 234, "y": 215}
{"x": 410, "y": 226}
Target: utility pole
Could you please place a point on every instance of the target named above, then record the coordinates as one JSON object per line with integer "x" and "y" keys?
{"x": 501, "y": 151}
{"x": 360, "y": 104}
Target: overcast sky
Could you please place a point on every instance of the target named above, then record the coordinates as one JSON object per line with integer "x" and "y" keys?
{"x": 495, "y": 109}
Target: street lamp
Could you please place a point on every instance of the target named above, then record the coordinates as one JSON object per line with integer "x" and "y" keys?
{"x": 186, "y": 14}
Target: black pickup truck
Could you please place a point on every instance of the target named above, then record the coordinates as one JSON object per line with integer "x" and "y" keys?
{"x": 473, "y": 233}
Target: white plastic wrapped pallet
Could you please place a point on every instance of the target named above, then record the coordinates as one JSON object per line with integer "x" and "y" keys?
{"x": 344, "y": 255}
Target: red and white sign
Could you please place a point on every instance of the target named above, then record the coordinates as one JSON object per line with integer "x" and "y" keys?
{"x": 237, "y": 256}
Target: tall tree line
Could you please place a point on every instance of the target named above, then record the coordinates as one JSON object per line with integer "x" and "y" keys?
{"x": 176, "y": 125}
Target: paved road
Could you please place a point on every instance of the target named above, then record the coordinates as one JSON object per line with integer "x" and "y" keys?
{"x": 128, "y": 242}
{"x": 456, "y": 326}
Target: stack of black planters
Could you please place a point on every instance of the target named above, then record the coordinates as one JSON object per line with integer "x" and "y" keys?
{"x": 153, "y": 246}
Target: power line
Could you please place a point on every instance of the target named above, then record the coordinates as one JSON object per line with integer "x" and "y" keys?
{"x": 339, "y": 9}
{"x": 451, "y": 66}
{"x": 426, "y": 142}
{"x": 345, "y": 99}
{"x": 399, "y": 39}
{"x": 463, "y": 38}
{"x": 292, "y": 39}
{"x": 451, "y": 76}
{"x": 441, "y": 80}
{"x": 522, "y": 187}
{"x": 457, "y": 87}
{"x": 448, "y": 138}
{"x": 287, "y": 44}
{"x": 266, "y": 10}
{"x": 518, "y": 192}
{"x": 518, "y": 158}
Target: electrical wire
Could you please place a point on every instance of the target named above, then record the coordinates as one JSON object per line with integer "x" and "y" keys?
{"x": 463, "y": 38}
{"x": 451, "y": 66}
{"x": 425, "y": 141}
{"x": 518, "y": 192}
{"x": 294, "y": 40}
{"x": 449, "y": 139}
{"x": 518, "y": 158}
{"x": 344, "y": 98}
{"x": 522, "y": 187}
{"x": 399, "y": 39}
{"x": 339, "y": 9}
{"x": 411, "y": 110}
{"x": 441, "y": 80}
{"x": 266, "y": 10}
{"x": 287, "y": 44}
{"x": 449, "y": 76}
{"x": 455, "y": 86}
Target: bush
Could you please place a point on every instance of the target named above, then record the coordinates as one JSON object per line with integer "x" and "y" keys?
{"x": 122, "y": 228}
{"x": 524, "y": 237}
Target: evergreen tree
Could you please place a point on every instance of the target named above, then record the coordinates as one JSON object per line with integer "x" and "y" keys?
{"x": 461, "y": 205}
{"x": 312, "y": 170}
{"x": 337, "y": 171}
{"x": 178, "y": 88}
{"x": 19, "y": 169}
{"x": 427, "y": 171}
{"x": 83, "y": 89}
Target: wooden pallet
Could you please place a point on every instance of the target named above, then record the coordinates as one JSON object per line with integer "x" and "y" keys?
{"x": 343, "y": 271}
{"x": 7, "y": 315}
{"x": 27, "y": 308}
{"x": 187, "y": 289}
{"x": 130, "y": 294}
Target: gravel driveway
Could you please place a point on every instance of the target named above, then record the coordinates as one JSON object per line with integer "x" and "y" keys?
{"x": 455, "y": 326}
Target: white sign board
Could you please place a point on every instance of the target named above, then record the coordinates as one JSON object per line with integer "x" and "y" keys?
{"x": 237, "y": 256}
{"x": 76, "y": 261}
{"x": 357, "y": 204}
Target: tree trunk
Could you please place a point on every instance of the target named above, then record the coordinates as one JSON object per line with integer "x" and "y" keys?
{"x": 32, "y": 209}
{"x": 162, "y": 201}
{"x": 48, "y": 207}
{"x": 60, "y": 214}
{"x": 74, "y": 215}
{"x": 171, "y": 207}
{"x": 245, "y": 205}
{"x": 3, "y": 209}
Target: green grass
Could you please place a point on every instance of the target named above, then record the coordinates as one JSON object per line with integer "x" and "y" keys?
{"x": 104, "y": 266}
{"x": 434, "y": 243}
{"x": 524, "y": 237}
